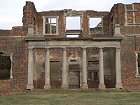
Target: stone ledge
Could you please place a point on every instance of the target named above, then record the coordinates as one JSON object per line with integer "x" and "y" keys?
{"x": 32, "y": 38}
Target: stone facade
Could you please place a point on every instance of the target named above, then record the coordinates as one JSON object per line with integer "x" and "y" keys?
{"x": 43, "y": 56}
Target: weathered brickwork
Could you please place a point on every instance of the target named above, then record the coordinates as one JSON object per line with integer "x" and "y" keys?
{"x": 14, "y": 41}
{"x": 128, "y": 59}
{"x": 18, "y": 48}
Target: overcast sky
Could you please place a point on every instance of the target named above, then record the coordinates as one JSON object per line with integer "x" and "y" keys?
{"x": 11, "y": 11}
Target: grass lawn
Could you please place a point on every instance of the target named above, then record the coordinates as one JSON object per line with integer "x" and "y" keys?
{"x": 71, "y": 97}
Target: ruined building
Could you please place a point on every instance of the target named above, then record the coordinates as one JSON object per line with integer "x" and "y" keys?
{"x": 72, "y": 49}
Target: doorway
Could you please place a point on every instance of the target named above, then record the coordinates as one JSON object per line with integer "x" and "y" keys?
{"x": 74, "y": 76}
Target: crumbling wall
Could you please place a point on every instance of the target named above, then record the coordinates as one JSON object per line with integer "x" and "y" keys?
{"x": 85, "y": 22}
{"x": 29, "y": 16}
{"x": 4, "y": 32}
{"x": 18, "y": 31}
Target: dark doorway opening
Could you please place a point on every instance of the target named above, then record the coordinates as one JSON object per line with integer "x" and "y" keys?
{"x": 74, "y": 76}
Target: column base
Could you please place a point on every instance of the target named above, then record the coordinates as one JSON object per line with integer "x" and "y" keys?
{"x": 102, "y": 86}
{"x": 64, "y": 86}
{"x": 30, "y": 86}
{"x": 84, "y": 86}
{"x": 119, "y": 86}
{"x": 47, "y": 87}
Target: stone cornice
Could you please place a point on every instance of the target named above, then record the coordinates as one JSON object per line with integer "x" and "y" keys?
{"x": 31, "y": 38}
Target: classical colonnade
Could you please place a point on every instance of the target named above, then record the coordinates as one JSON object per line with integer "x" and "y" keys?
{"x": 65, "y": 71}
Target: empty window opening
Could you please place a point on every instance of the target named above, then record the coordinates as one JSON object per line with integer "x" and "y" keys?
{"x": 73, "y": 27}
{"x": 95, "y": 26}
{"x": 51, "y": 25}
{"x": 138, "y": 63}
{"x": 5, "y": 66}
{"x": 72, "y": 36}
{"x": 73, "y": 23}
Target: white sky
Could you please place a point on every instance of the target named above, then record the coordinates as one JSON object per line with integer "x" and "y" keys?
{"x": 11, "y": 11}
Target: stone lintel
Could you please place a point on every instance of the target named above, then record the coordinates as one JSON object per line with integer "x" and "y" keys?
{"x": 62, "y": 44}
{"x": 41, "y": 37}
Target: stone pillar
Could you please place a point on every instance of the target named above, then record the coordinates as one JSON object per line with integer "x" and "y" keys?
{"x": 11, "y": 70}
{"x": 47, "y": 69}
{"x": 101, "y": 69}
{"x": 44, "y": 20}
{"x": 64, "y": 70}
{"x": 84, "y": 69}
{"x": 30, "y": 68}
{"x": 118, "y": 69}
{"x": 30, "y": 30}
{"x": 117, "y": 30}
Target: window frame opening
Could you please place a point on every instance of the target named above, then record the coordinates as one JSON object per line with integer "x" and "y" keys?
{"x": 73, "y": 26}
{"x": 5, "y": 66}
{"x": 50, "y": 25}
{"x": 137, "y": 64}
{"x": 95, "y": 24}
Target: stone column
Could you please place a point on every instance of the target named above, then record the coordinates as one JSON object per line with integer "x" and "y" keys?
{"x": 101, "y": 69}
{"x": 84, "y": 69}
{"x": 64, "y": 70}
{"x": 118, "y": 69}
{"x": 30, "y": 68}
{"x": 47, "y": 69}
{"x": 11, "y": 70}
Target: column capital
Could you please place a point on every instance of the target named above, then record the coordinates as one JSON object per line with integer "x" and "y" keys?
{"x": 64, "y": 48}
{"x": 84, "y": 48}
{"x": 47, "y": 48}
{"x": 101, "y": 48}
{"x": 118, "y": 48}
{"x": 30, "y": 47}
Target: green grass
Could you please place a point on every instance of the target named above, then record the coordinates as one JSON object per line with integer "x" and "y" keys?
{"x": 72, "y": 97}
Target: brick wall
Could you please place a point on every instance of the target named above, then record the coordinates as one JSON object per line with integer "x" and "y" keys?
{"x": 86, "y": 15}
{"x": 129, "y": 46}
{"x": 19, "y": 65}
{"x": 4, "y": 32}
{"x": 128, "y": 63}
{"x": 18, "y": 31}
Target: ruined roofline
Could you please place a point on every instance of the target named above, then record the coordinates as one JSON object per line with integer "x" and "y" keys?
{"x": 43, "y": 11}
{"x": 63, "y": 10}
{"x": 30, "y": 3}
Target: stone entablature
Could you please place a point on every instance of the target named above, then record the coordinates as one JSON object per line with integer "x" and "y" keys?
{"x": 76, "y": 43}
